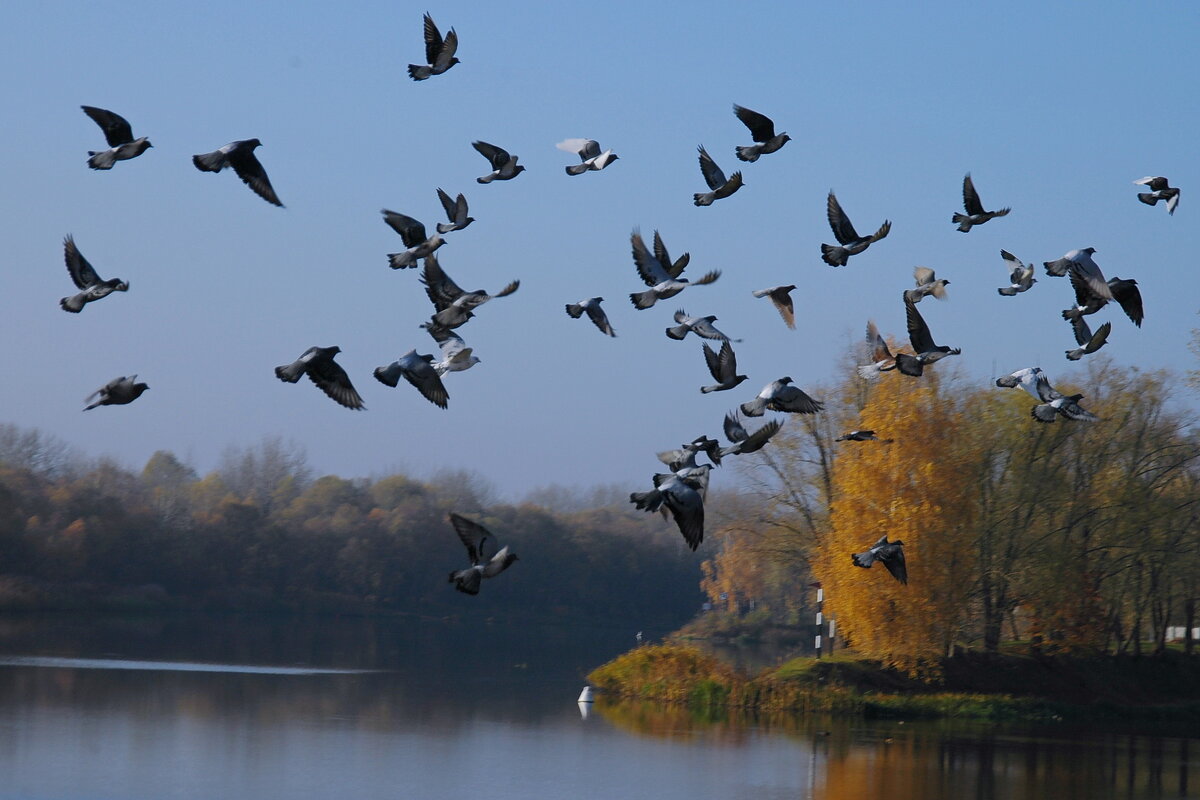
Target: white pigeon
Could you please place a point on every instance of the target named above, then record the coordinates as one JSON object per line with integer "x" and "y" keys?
{"x": 589, "y": 154}
{"x": 1020, "y": 275}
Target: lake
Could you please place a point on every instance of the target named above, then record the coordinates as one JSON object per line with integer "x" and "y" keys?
{"x": 229, "y": 708}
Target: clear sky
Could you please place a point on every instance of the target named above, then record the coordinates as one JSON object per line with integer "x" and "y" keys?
{"x": 1055, "y": 108}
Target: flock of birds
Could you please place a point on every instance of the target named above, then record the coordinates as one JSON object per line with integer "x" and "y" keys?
{"x": 681, "y": 490}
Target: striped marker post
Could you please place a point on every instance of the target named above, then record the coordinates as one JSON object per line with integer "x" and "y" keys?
{"x": 820, "y": 619}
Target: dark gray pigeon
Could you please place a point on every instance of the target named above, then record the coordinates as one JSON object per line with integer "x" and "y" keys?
{"x": 851, "y": 243}
{"x": 782, "y": 299}
{"x": 119, "y": 135}
{"x": 504, "y": 166}
{"x": 659, "y": 273}
{"x": 1159, "y": 190}
{"x": 1020, "y": 275}
{"x": 327, "y": 374}
{"x": 779, "y": 396}
{"x": 683, "y": 460}
{"x": 881, "y": 357}
{"x": 890, "y": 554}
{"x": 116, "y": 392}
{"x": 454, "y": 306}
{"x": 439, "y": 52}
{"x": 701, "y": 326}
{"x": 589, "y": 154}
{"x": 486, "y": 560}
{"x": 1088, "y": 342}
{"x": 1051, "y": 402}
{"x": 975, "y": 214}
{"x": 743, "y": 442}
{"x": 456, "y": 212}
{"x": 412, "y": 233}
{"x": 240, "y": 156}
{"x": 762, "y": 130}
{"x": 927, "y": 284}
{"x": 90, "y": 285}
{"x": 716, "y": 180}
{"x": 927, "y": 351}
{"x": 1127, "y": 295}
{"x": 680, "y": 496}
{"x": 723, "y": 367}
{"x": 595, "y": 313}
{"x": 861, "y": 436}
{"x": 420, "y": 372}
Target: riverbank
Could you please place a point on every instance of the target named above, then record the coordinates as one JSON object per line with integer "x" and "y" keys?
{"x": 971, "y": 686}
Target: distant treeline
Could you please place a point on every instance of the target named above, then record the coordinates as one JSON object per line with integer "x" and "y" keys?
{"x": 259, "y": 533}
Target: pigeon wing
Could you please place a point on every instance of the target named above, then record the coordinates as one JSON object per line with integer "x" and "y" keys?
{"x": 713, "y": 175}
{"x": 441, "y": 290}
{"x": 760, "y": 437}
{"x": 446, "y": 54}
{"x": 1127, "y": 294}
{"x": 843, "y": 231}
{"x": 448, "y": 205}
{"x": 116, "y": 129}
{"x": 713, "y": 361}
{"x": 248, "y": 168}
{"x": 664, "y": 258}
{"x": 497, "y": 156}
{"x": 892, "y": 557}
{"x": 761, "y": 127}
{"x": 480, "y": 544}
{"x": 330, "y": 378}
{"x": 81, "y": 271}
{"x": 971, "y": 200}
{"x": 649, "y": 268}
{"x": 433, "y": 41}
{"x": 600, "y": 319}
{"x": 734, "y": 430}
{"x": 424, "y": 379}
{"x": 412, "y": 232}
{"x": 918, "y": 331}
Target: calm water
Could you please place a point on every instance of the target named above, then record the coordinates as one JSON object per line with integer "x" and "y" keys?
{"x": 229, "y": 709}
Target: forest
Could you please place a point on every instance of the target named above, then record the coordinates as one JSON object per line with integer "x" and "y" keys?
{"x": 260, "y": 533}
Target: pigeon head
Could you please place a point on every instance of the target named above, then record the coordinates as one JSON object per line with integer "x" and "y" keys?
{"x": 897, "y": 541}
{"x": 783, "y": 137}
{"x": 253, "y": 143}
{"x": 785, "y": 380}
{"x": 1088, "y": 250}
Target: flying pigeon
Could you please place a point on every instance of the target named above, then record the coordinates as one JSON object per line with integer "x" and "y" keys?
{"x": 456, "y": 212}
{"x": 762, "y": 130}
{"x": 327, "y": 374}
{"x": 680, "y": 496}
{"x": 91, "y": 287}
{"x": 890, "y": 554}
{"x": 659, "y": 273}
{"x": 240, "y": 156}
{"x": 1061, "y": 266}
{"x": 701, "y": 326}
{"x": 456, "y": 356}
{"x": 119, "y": 135}
{"x": 779, "y": 396}
{"x": 851, "y": 243}
{"x": 782, "y": 299}
{"x": 715, "y": 178}
{"x": 1127, "y": 295}
{"x": 420, "y": 372}
{"x": 504, "y": 166}
{"x": 589, "y": 154}
{"x": 1160, "y": 190}
{"x": 684, "y": 459}
{"x": 1051, "y": 402}
{"x": 927, "y": 284}
{"x": 454, "y": 306}
{"x": 743, "y": 442}
{"x": 1088, "y": 342}
{"x": 116, "y": 392}
{"x": 412, "y": 233}
{"x": 1020, "y": 275}
{"x": 486, "y": 560}
{"x": 861, "y": 436}
{"x": 927, "y": 352}
{"x": 595, "y": 313}
{"x": 975, "y": 214}
{"x": 882, "y": 357}
{"x": 439, "y": 53}
{"x": 723, "y": 367}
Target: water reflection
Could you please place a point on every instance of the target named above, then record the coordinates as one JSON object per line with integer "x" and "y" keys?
{"x": 252, "y": 708}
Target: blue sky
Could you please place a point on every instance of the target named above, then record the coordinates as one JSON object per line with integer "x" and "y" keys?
{"x": 1054, "y": 109}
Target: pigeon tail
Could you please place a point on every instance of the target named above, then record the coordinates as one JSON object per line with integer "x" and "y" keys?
{"x": 754, "y": 408}
{"x": 868, "y": 372}
{"x": 209, "y": 162}
{"x": 749, "y": 154}
{"x": 384, "y": 375}
{"x": 290, "y": 372}
{"x": 401, "y": 260}
{"x": 643, "y": 300}
{"x": 578, "y": 169}
{"x": 74, "y": 303}
{"x": 962, "y": 221}
{"x": 705, "y": 199}
{"x": 575, "y": 310}
{"x": 834, "y": 256}
{"x": 419, "y": 72}
{"x": 486, "y": 178}
{"x": 1008, "y": 291}
{"x": 102, "y": 160}
{"x": 466, "y": 581}
{"x": 647, "y": 501}
{"x": 1149, "y": 198}
{"x": 1076, "y": 354}
{"x": 678, "y": 332}
{"x": 1070, "y": 314}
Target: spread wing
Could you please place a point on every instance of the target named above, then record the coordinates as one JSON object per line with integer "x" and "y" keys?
{"x": 248, "y": 168}
{"x": 713, "y": 175}
{"x": 81, "y": 271}
{"x": 648, "y": 267}
{"x": 761, "y": 127}
{"x": 843, "y": 231}
{"x": 1127, "y": 294}
{"x": 497, "y": 156}
{"x": 433, "y": 41}
{"x": 664, "y": 258}
{"x": 449, "y": 48}
{"x": 480, "y": 544}
{"x": 116, "y": 129}
{"x": 330, "y": 378}
{"x": 918, "y": 331}
{"x": 411, "y": 231}
{"x": 441, "y": 290}
{"x": 879, "y": 348}
{"x": 971, "y": 200}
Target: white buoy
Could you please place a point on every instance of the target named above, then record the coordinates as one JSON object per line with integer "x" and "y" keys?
{"x": 586, "y": 695}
